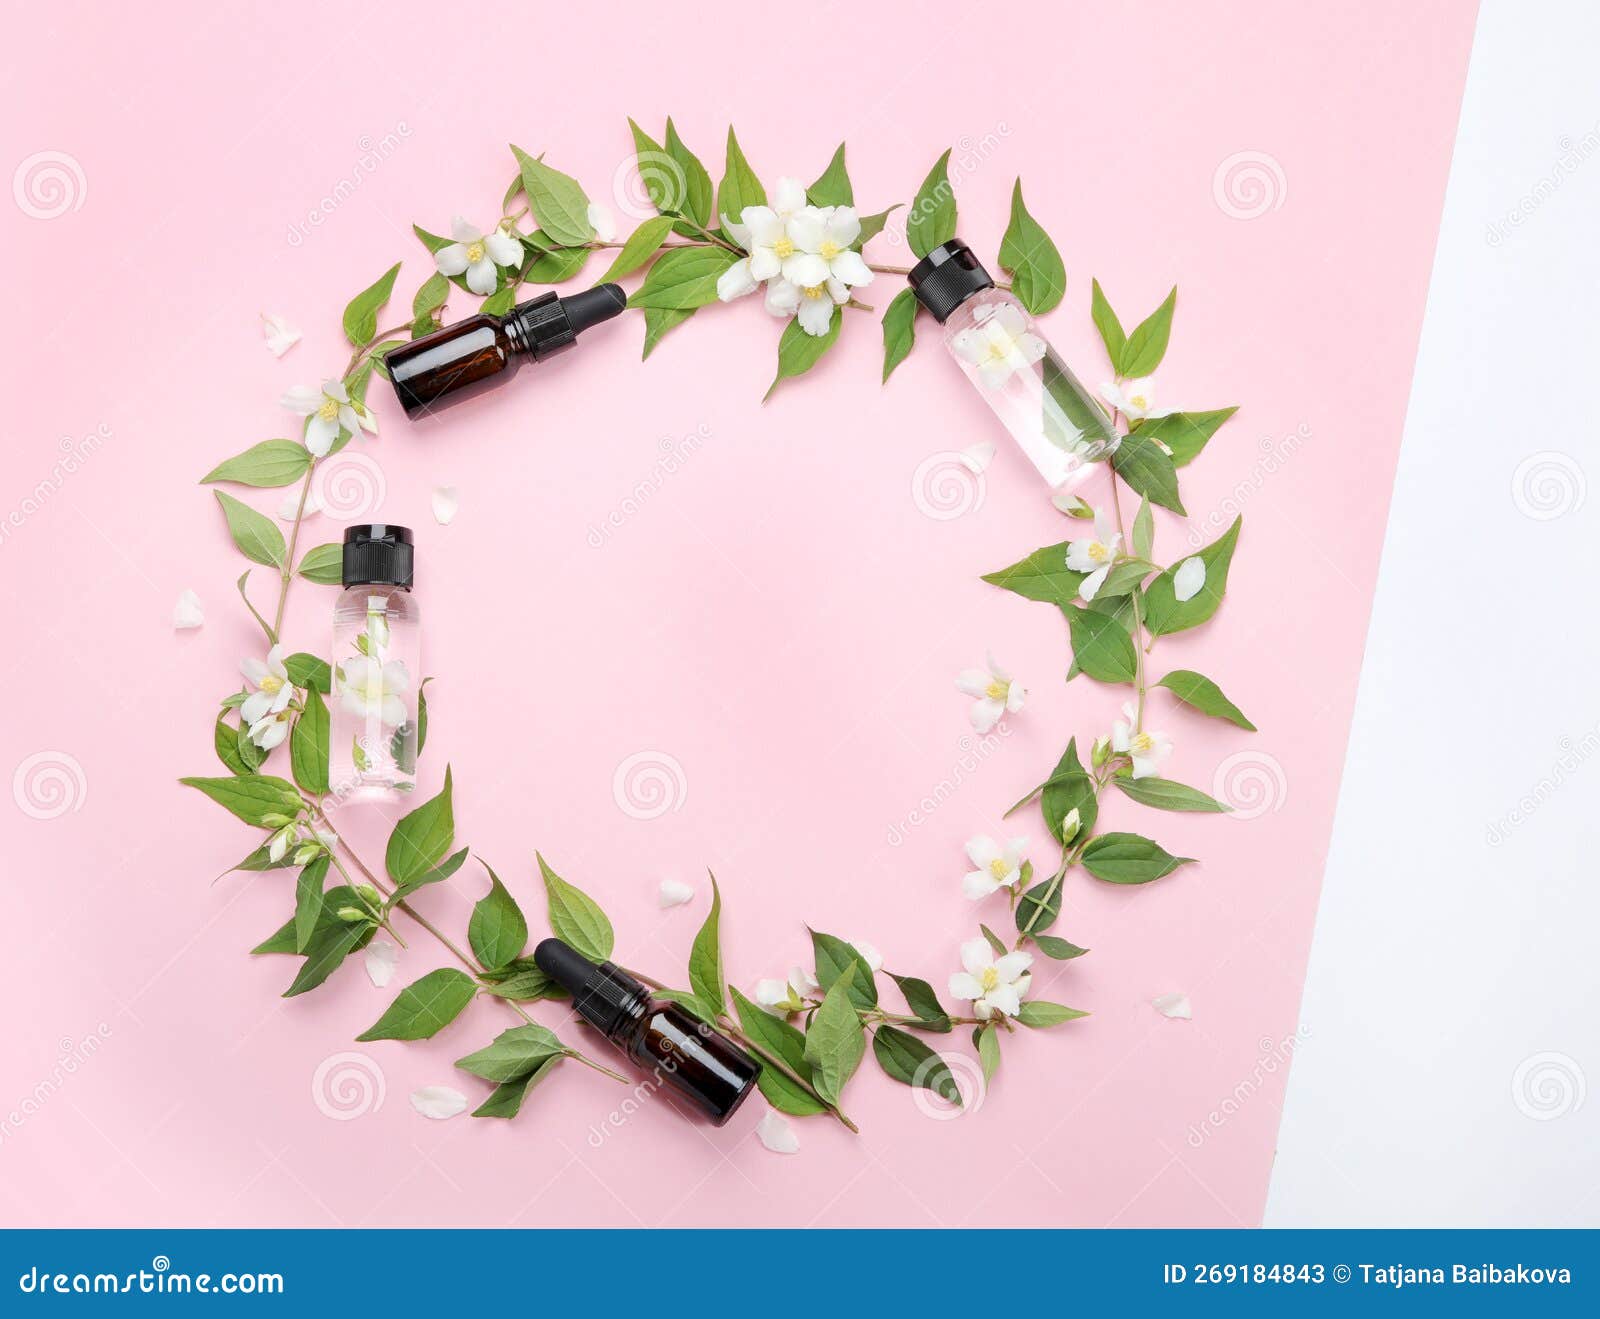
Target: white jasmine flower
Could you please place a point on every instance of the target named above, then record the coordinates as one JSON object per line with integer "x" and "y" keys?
{"x": 331, "y": 410}
{"x": 999, "y": 344}
{"x": 997, "y": 866}
{"x": 1134, "y": 398}
{"x": 1147, "y": 749}
{"x": 994, "y": 985}
{"x": 368, "y": 687}
{"x": 272, "y": 690}
{"x": 1189, "y": 578}
{"x": 188, "y": 612}
{"x": 997, "y": 694}
{"x": 774, "y": 245}
{"x": 601, "y": 221}
{"x": 1094, "y": 555}
{"x": 782, "y": 997}
{"x": 777, "y": 1134}
{"x": 438, "y": 1101}
{"x": 739, "y": 279}
{"x": 271, "y": 729}
{"x": 291, "y": 505}
{"x": 816, "y": 304}
{"x": 280, "y": 335}
{"x": 476, "y": 255}
{"x": 736, "y": 281}
{"x": 826, "y": 233}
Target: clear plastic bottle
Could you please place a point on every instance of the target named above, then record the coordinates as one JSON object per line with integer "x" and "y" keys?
{"x": 994, "y": 339}
{"x": 377, "y": 668}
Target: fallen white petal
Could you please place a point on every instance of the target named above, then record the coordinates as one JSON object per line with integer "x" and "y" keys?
{"x": 776, "y": 1134}
{"x": 446, "y": 500}
{"x": 979, "y": 456}
{"x": 188, "y": 612}
{"x": 438, "y": 1101}
{"x": 1189, "y": 578}
{"x": 291, "y": 506}
{"x": 1173, "y": 1005}
{"x": 280, "y": 335}
{"x": 381, "y": 958}
{"x": 1071, "y": 505}
{"x": 674, "y": 894}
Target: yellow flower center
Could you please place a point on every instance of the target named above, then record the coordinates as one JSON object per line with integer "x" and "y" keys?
{"x": 475, "y": 253}
{"x": 1139, "y": 401}
{"x": 998, "y": 867}
{"x": 996, "y": 690}
{"x": 990, "y": 979}
{"x": 816, "y": 291}
{"x": 329, "y": 411}
{"x": 1098, "y": 552}
{"x": 1142, "y": 744}
{"x": 783, "y": 249}
{"x": 271, "y": 683}
{"x": 830, "y": 249}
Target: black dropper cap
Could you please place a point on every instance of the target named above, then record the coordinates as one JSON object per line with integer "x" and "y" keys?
{"x": 547, "y": 324}
{"x": 377, "y": 554}
{"x": 605, "y": 996}
{"x": 947, "y": 277}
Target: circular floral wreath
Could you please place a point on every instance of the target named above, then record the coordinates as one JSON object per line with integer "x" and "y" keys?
{"x": 804, "y": 248}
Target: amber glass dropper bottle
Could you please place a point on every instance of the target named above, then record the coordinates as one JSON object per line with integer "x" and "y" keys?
{"x": 471, "y": 356}
{"x": 691, "y": 1057}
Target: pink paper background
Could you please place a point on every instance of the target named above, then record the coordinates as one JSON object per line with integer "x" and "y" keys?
{"x": 779, "y": 616}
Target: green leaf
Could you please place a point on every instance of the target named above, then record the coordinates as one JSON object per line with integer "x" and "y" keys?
{"x": 924, "y": 1004}
{"x": 996, "y": 944}
{"x": 256, "y": 535}
{"x": 308, "y": 901}
{"x": 643, "y": 243}
{"x": 423, "y": 836}
{"x": 657, "y": 321}
{"x": 323, "y": 564}
{"x": 252, "y": 797}
{"x": 1165, "y": 613}
{"x": 705, "y": 958}
{"x": 505, "y": 1100}
{"x": 307, "y": 670}
{"x": 798, "y": 351}
{"x": 308, "y": 745}
{"x": 422, "y": 714}
{"x": 1038, "y": 908}
{"x": 1147, "y": 345}
{"x": 739, "y": 187}
{"x": 932, "y": 218}
{"x": 1167, "y": 795}
{"x": 899, "y": 329}
{"x": 331, "y": 942}
{"x": 498, "y": 931}
{"x": 835, "y": 958}
{"x": 515, "y": 1054}
{"x": 433, "y": 294}
{"x": 1147, "y": 468}
{"x": 1042, "y": 576}
{"x": 576, "y": 918}
{"x": 989, "y": 1051}
{"x": 833, "y": 188}
{"x": 1185, "y": 433}
{"x": 1126, "y": 576}
{"x": 521, "y": 982}
{"x": 499, "y": 302}
{"x": 1038, "y": 1014}
{"x": 697, "y": 192}
{"x": 361, "y": 315}
{"x": 1204, "y": 695}
{"x": 836, "y": 1043}
{"x": 1144, "y": 531}
{"x": 683, "y": 279}
{"x": 662, "y": 177}
{"x": 425, "y": 1007}
{"x": 548, "y": 263}
{"x": 437, "y": 874}
{"x": 1105, "y": 320}
{"x": 1059, "y": 949}
{"x": 557, "y": 202}
{"x": 1069, "y": 788}
{"x": 1038, "y": 276}
{"x": 1129, "y": 859}
{"x": 230, "y": 740}
{"x": 872, "y": 225}
{"x": 774, "y": 1036}
{"x": 1100, "y": 646}
{"x": 908, "y": 1059}
{"x": 270, "y": 463}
